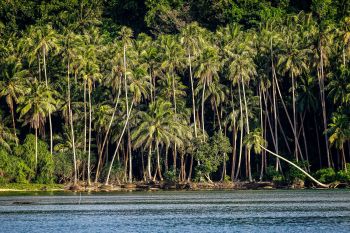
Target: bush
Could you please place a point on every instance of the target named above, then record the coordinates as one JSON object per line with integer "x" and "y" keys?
{"x": 44, "y": 167}
{"x": 343, "y": 176}
{"x": 63, "y": 167}
{"x": 294, "y": 174}
{"x": 326, "y": 175}
{"x": 171, "y": 175}
{"x": 273, "y": 175}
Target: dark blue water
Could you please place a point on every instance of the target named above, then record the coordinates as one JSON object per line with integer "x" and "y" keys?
{"x": 226, "y": 211}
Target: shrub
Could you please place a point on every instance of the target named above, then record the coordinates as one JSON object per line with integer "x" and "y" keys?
{"x": 294, "y": 174}
{"x": 273, "y": 175}
{"x": 171, "y": 175}
{"x": 63, "y": 167}
{"x": 326, "y": 175}
{"x": 344, "y": 176}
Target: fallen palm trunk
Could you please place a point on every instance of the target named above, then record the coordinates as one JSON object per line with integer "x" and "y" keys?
{"x": 296, "y": 166}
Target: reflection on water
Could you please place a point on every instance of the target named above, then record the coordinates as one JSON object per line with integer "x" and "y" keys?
{"x": 226, "y": 211}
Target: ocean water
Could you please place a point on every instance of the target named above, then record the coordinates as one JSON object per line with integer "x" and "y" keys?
{"x": 178, "y": 211}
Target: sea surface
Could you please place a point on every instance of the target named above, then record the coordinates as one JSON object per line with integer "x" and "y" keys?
{"x": 178, "y": 211}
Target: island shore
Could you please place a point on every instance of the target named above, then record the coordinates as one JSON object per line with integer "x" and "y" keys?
{"x": 158, "y": 186}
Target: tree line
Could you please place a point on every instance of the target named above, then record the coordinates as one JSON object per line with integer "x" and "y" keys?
{"x": 80, "y": 103}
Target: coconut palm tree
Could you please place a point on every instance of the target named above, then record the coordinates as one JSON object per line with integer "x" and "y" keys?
{"x": 159, "y": 126}
{"x": 40, "y": 41}
{"x": 35, "y": 106}
{"x": 293, "y": 60}
{"x": 207, "y": 71}
{"x": 6, "y": 136}
{"x": 12, "y": 87}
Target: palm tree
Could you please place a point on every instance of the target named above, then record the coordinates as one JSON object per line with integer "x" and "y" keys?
{"x": 35, "y": 106}
{"x": 293, "y": 60}
{"x": 241, "y": 69}
{"x": 254, "y": 139}
{"x": 207, "y": 70}
{"x": 6, "y": 136}
{"x": 41, "y": 40}
{"x": 159, "y": 126}
{"x": 125, "y": 35}
{"x": 11, "y": 87}
{"x": 339, "y": 130}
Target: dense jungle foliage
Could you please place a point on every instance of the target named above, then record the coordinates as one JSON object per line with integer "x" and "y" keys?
{"x": 127, "y": 90}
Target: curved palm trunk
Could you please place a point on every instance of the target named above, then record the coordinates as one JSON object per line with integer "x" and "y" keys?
{"x": 323, "y": 103}
{"x": 118, "y": 144}
{"x": 106, "y": 135}
{"x": 193, "y": 112}
{"x": 241, "y": 133}
{"x": 234, "y": 138}
{"x": 247, "y": 122}
{"x": 85, "y": 117}
{"x": 297, "y": 167}
{"x": 71, "y": 127}
{"x": 47, "y": 85}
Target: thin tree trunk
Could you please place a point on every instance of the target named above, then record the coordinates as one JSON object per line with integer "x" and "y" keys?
{"x": 118, "y": 144}
{"x": 71, "y": 127}
{"x": 247, "y": 122}
{"x": 130, "y": 156}
{"x": 241, "y": 133}
{"x": 149, "y": 162}
{"x": 203, "y": 110}
{"x": 234, "y": 138}
{"x": 297, "y": 167}
{"x": 36, "y": 149}
{"x": 89, "y": 146}
{"x": 106, "y": 135}
{"x": 85, "y": 117}
{"x": 47, "y": 85}
{"x": 294, "y": 120}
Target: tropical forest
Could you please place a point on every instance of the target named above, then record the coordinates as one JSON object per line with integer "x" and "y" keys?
{"x": 98, "y": 93}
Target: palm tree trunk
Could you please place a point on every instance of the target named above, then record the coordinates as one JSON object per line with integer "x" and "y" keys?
{"x": 158, "y": 162}
{"x": 149, "y": 162}
{"x": 118, "y": 144}
{"x": 36, "y": 149}
{"x": 130, "y": 156}
{"x": 106, "y": 135}
{"x": 13, "y": 122}
{"x": 294, "y": 120}
{"x": 297, "y": 167}
{"x": 71, "y": 126}
{"x": 344, "y": 159}
{"x": 203, "y": 92}
{"x": 247, "y": 122}
{"x": 234, "y": 138}
{"x": 89, "y": 146}
{"x": 47, "y": 85}
{"x": 85, "y": 117}
{"x": 241, "y": 133}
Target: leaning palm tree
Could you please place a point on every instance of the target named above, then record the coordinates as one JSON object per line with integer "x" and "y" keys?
{"x": 35, "y": 106}
{"x": 255, "y": 140}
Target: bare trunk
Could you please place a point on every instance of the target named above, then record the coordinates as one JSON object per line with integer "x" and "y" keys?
{"x": 297, "y": 167}
{"x": 107, "y": 133}
{"x": 89, "y": 146}
{"x": 247, "y": 122}
{"x": 203, "y": 110}
{"x": 241, "y": 133}
{"x": 118, "y": 144}
{"x": 71, "y": 126}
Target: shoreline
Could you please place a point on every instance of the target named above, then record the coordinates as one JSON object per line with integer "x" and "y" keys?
{"x": 161, "y": 186}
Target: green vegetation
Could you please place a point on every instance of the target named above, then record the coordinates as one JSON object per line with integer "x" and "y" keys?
{"x": 121, "y": 91}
